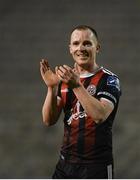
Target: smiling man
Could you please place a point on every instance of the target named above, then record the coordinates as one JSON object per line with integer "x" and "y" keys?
{"x": 89, "y": 96}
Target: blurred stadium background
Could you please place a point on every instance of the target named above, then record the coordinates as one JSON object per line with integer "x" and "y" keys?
{"x": 34, "y": 29}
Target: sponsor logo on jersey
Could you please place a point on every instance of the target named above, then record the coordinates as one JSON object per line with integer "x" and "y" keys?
{"x": 79, "y": 114}
{"x": 76, "y": 116}
{"x": 113, "y": 81}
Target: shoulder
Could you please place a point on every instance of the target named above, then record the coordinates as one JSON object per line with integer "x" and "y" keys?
{"x": 109, "y": 73}
{"x": 112, "y": 79}
{"x": 109, "y": 86}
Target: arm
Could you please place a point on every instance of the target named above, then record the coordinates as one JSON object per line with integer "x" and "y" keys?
{"x": 52, "y": 106}
{"x": 98, "y": 110}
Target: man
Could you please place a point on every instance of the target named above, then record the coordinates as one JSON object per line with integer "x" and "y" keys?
{"x": 89, "y": 96}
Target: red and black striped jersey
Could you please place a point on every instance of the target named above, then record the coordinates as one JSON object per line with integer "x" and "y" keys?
{"x": 85, "y": 141}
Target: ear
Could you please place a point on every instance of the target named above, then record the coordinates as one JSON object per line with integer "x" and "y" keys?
{"x": 98, "y": 47}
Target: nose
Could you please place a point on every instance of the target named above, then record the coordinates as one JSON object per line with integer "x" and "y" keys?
{"x": 81, "y": 47}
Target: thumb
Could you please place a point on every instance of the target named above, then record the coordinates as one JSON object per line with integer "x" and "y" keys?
{"x": 56, "y": 70}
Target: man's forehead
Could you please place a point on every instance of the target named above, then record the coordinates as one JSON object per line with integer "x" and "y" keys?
{"x": 86, "y": 32}
{"x": 77, "y": 34}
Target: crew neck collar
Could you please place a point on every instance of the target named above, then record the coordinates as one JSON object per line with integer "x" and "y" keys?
{"x": 89, "y": 74}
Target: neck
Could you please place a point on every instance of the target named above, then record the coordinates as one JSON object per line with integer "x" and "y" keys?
{"x": 88, "y": 69}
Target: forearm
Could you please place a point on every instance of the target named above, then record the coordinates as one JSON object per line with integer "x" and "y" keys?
{"x": 50, "y": 110}
{"x": 91, "y": 105}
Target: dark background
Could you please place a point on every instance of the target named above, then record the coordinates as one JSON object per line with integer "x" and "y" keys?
{"x": 35, "y": 29}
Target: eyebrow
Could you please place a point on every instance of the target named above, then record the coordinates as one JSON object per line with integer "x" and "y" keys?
{"x": 76, "y": 41}
{"x": 87, "y": 41}
{"x": 84, "y": 42}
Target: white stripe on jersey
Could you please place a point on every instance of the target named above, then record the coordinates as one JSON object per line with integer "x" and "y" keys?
{"x": 109, "y": 171}
{"x": 108, "y": 72}
{"x": 110, "y": 102}
{"x": 107, "y": 94}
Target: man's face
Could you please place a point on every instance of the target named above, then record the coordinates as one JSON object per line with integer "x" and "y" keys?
{"x": 83, "y": 47}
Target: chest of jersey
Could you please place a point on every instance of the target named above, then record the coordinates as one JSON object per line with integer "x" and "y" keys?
{"x": 73, "y": 109}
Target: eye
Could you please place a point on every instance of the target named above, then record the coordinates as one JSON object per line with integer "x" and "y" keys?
{"x": 75, "y": 43}
{"x": 87, "y": 43}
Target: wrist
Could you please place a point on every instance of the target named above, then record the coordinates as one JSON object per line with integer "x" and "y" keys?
{"x": 53, "y": 88}
{"x": 76, "y": 86}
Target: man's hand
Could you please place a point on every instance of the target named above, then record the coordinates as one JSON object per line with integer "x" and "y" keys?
{"x": 49, "y": 77}
{"x": 68, "y": 76}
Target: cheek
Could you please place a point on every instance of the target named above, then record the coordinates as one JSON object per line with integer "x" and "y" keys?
{"x": 92, "y": 53}
{"x": 93, "y": 50}
{"x": 72, "y": 50}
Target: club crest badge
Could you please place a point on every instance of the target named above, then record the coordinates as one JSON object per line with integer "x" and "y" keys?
{"x": 91, "y": 89}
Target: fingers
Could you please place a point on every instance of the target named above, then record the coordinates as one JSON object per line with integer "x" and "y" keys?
{"x": 63, "y": 72}
{"x": 42, "y": 70}
{"x": 44, "y": 66}
{"x": 56, "y": 71}
{"x": 67, "y": 68}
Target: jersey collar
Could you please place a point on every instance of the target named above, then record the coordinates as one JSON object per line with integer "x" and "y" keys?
{"x": 85, "y": 75}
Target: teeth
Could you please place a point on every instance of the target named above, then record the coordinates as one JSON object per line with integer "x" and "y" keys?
{"x": 82, "y": 55}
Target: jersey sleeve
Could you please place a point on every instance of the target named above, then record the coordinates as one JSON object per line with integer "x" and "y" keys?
{"x": 110, "y": 89}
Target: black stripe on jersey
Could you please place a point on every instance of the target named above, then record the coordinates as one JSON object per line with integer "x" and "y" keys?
{"x": 69, "y": 99}
{"x": 100, "y": 83}
{"x": 59, "y": 89}
{"x": 80, "y": 143}
{"x": 81, "y": 140}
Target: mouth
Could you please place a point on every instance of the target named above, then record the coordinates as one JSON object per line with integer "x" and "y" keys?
{"x": 83, "y": 54}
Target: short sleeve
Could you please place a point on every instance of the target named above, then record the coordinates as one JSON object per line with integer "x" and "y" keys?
{"x": 110, "y": 89}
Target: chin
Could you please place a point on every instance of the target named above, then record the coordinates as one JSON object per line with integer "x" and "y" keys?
{"x": 81, "y": 62}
